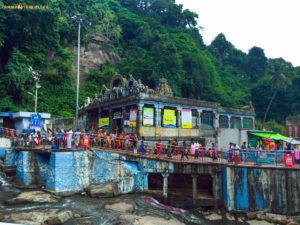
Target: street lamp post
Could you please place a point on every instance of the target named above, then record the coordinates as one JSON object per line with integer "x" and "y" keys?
{"x": 36, "y": 77}
{"x": 78, "y": 19}
{"x": 78, "y": 76}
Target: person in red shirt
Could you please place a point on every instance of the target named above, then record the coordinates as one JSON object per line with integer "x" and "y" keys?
{"x": 158, "y": 147}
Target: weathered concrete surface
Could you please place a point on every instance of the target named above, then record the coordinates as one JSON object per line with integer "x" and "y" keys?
{"x": 145, "y": 220}
{"x": 125, "y": 207}
{"x": 68, "y": 172}
{"x": 103, "y": 190}
{"x": 38, "y": 217}
{"x": 33, "y": 197}
{"x": 26, "y": 168}
{"x": 241, "y": 188}
{"x": 11, "y": 157}
{"x": 254, "y": 189}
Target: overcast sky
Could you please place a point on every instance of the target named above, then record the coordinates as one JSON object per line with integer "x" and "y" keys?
{"x": 273, "y": 25}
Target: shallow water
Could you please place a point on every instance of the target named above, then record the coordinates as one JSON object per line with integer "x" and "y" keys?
{"x": 92, "y": 209}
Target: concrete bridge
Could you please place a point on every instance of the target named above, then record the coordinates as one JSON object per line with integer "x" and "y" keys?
{"x": 237, "y": 187}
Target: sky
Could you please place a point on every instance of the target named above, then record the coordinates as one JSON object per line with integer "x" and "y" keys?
{"x": 273, "y": 25}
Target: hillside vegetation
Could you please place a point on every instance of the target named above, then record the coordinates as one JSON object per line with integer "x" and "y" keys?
{"x": 153, "y": 39}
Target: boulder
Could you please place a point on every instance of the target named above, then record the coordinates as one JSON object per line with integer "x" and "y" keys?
{"x": 213, "y": 217}
{"x": 103, "y": 190}
{"x": 59, "y": 218}
{"x": 251, "y": 215}
{"x": 38, "y": 217}
{"x": 258, "y": 222}
{"x": 230, "y": 217}
{"x": 145, "y": 220}
{"x": 125, "y": 207}
{"x": 278, "y": 219}
{"x": 33, "y": 197}
{"x": 292, "y": 223}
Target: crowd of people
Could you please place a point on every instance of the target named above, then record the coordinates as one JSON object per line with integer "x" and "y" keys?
{"x": 173, "y": 148}
{"x": 183, "y": 150}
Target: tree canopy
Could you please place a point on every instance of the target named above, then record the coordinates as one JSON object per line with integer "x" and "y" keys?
{"x": 153, "y": 39}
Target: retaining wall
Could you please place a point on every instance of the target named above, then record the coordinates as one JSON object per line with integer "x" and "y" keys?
{"x": 241, "y": 188}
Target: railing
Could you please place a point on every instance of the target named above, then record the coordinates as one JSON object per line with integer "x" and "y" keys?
{"x": 165, "y": 151}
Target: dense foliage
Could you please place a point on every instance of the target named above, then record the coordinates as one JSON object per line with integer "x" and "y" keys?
{"x": 153, "y": 38}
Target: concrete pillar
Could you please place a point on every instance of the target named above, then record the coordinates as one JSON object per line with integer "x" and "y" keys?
{"x": 123, "y": 113}
{"x": 195, "y": 191}
{"x": 229, "y": 121}
{"x": 165, "y": 184}
{"x": 215, "y": 188}
{"x": 140, "y": 115}
{"x": 157, "y": 116}
{"x": 139, "y": 119}
{"x": 216, "y": 120}
{"x": 143, "y": 181}
{"x": 179, "y": 122}
{"x": 242, "y": 122}
{"x": 199, "y": 117}
{"x": 111, "y": 120}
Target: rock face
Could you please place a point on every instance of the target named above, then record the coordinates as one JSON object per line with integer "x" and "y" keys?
{"x": 33, "y": 197}
{"x": 145, "y": 220}
{"x": 96, "y": 53}
{"x": 125, "y": 207}
{"x": 38, "y": 217}
{"x": 103, "y": 190}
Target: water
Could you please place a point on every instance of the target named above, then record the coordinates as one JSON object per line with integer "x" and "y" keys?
{"x": 92, "y": 209}
{"x": 3, "y": 180}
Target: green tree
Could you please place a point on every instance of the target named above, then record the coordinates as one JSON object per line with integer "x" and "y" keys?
{"x": 280, "y": 71}
{"x": 255, "y": 63}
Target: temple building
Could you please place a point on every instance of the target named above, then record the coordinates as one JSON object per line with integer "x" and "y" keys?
{"x": 129, "y": 106}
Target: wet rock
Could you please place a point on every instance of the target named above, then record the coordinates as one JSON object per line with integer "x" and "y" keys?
{"x": 127, "y": 219}
{"x": 103, "y": 190}
{"x": 38, "y": 217}
{"x": 213, "y": 217}
{"x": 33, "y": 197}
{"x": 241, "y": 220}
{"x": 278, "y": 219}
{"x": 261, "y": 216}
{"x": 292, "y": 222}
{"x": 230, "y": 217}
{"x": 204, "y": 213}
{"x": 59, "y": 218}
{"x": 258, "y": 222}
{"x": 124, "y": 207}
{"x": 145, "y": 220}
{"x": 251, "y": 215}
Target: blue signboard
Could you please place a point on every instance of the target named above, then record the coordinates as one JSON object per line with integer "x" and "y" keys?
{"x": 36, "y": 120}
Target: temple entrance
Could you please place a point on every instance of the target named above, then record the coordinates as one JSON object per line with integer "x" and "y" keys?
{"x": 117, "y": 126}
{"x": 117, "y": 121}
